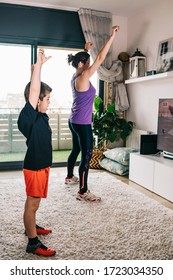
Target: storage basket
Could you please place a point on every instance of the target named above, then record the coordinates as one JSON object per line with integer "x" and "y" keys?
{"x": 96, "y": 156}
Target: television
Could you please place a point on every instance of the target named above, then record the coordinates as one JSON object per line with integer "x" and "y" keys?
{"x": 165, "y": 127}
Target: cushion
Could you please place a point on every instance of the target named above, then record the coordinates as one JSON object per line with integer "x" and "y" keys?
{"x": 114, "y": 166}
{"x": 120, "y": 154}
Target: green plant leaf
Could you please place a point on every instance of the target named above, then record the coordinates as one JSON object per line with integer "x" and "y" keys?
{"x": 97, "y": 101}
{"x": 111, "y": 108}
{"x": 108, "y": 125}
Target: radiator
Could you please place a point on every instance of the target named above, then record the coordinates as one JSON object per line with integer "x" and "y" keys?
{"x": 133, "y": 140}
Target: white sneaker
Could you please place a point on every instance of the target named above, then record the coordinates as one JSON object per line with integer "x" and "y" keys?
{"x": 88, "y": 196}
{"x": 72, "y": 181}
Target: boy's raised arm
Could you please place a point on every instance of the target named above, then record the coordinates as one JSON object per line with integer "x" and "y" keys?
{"x": 36, "y": 78}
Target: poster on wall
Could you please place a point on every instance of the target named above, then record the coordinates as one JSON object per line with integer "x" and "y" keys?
{"x": 165, "y": 56}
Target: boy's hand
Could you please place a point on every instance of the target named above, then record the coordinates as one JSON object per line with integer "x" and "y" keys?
{"x": 41, "y": 58}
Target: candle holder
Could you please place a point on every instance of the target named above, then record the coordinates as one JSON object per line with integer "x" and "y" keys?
{"x": 137, "y": 65}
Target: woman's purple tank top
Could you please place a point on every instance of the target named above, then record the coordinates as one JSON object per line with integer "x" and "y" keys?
{"x": 81, "y": 111}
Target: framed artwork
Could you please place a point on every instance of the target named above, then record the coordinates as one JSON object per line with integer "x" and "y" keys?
{"x": 165, "y": 56}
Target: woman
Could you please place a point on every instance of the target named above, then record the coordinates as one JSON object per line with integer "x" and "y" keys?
{"x": 81, "y": 115}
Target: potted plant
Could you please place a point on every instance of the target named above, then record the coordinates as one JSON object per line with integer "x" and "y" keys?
{"x": 108, "y": 126}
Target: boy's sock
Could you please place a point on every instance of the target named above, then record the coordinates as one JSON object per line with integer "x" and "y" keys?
{"x": 33, "y": 241}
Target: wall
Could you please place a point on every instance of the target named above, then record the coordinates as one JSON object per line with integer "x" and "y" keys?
{"x": 120, "y": 42}
{"x": 145, "y": 30}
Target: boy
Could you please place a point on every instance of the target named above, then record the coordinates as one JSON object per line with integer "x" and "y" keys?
{"x": 33, "y": 122}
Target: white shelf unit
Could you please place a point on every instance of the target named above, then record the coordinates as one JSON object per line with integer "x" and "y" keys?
{"x": 165, "y": 75}
{"x": 153, "y": 172}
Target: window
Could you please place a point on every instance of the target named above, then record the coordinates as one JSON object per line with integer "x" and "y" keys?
{"x": 15, "y": 74}
{"x": 57, "y": 73}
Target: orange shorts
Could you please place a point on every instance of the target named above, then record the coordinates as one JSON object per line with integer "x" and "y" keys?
{"x": 37, "y": 182}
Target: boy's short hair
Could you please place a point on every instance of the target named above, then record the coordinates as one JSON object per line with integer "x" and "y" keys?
{"x": 43, "y": 89}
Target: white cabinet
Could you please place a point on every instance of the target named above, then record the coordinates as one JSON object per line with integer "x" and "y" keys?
{"x": 163, "y": 178}
{"x": 152, "y": 172}
{"x": 141, "y": 170}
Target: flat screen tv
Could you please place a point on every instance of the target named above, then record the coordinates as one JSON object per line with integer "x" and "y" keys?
{"x": 165, "y": 127}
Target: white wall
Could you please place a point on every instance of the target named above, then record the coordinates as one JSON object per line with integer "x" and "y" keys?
{"x": 120, "y": 42}
{"x": 145, "y": 30}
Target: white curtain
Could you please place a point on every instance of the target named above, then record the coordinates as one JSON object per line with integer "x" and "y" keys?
{"x": 97, "y": 28}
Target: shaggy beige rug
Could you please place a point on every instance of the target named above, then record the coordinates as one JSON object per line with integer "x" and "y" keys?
{"x": 125, "y": 225}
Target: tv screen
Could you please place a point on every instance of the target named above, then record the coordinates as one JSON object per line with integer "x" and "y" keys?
{"x": 165, "y": 125}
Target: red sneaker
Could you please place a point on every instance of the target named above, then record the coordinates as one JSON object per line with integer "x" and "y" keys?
{"x": 40, "y": 250}
{"x": 48, "y": 252}
{"x": 43, "y": 231}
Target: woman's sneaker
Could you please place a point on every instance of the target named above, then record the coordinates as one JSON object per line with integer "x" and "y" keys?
{"x": 71, "y": 181}
{"x": 40, "y": 250}
{"x": 88, "y": 196}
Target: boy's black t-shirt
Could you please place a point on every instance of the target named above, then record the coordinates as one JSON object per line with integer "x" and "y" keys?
{"x": 35, "y": 127}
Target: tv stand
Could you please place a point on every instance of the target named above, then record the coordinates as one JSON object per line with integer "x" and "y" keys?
{"x": 153, "y": 172}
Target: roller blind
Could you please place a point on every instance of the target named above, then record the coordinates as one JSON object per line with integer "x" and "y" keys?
{"x": 42, "y": 26}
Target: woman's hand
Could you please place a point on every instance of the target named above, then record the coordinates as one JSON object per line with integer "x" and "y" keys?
{"x": 115, "y": 29}
{"x": 88, "y": 46}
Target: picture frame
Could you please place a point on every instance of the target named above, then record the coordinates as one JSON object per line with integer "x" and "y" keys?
{"x": 165, "y": 56}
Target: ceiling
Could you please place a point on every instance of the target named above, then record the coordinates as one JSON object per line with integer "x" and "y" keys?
{"x": 126, "y": 8}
